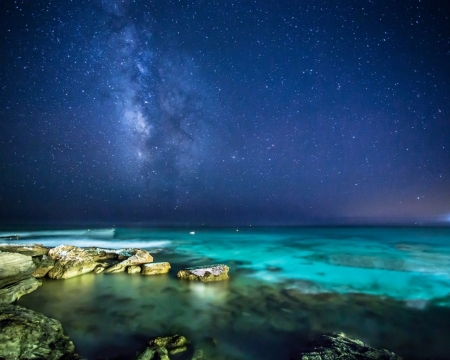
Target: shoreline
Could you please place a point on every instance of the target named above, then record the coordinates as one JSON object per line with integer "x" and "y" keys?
{"x": 241, "y": 305}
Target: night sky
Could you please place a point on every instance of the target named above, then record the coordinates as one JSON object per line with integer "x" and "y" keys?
{"x": 225, "y": 112}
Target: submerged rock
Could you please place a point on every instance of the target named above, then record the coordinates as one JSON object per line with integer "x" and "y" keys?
{"x": 137, "y": 257}
{"x": 155, "y": 268}
{"x": 25, "y": 249}
{"x": 15, "y": 276}
{"x": 154, "y": 353}
{"x": 43, "y": 265}
{"x": 25, "y": 334}
{"x": 205, "y": 273}
{"x": 339, "y": 346}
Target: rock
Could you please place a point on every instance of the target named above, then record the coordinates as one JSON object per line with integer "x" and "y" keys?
{"x": 155, "y": 268}
{"x": 154, "y": 353}
{"x": 137, "y": 258}
{"x": 339, "y": 346}
{"x": 25, "y": 249}
{"x": 198, "y": 355}
{"x": 174, "y": 343}
{"x": 134, "y": 269}
{"x": 71, "y": 261}
{"x": 25, "y": 334}
{"x": 205, "y": 273}
{"x": 14, "y": 267}
{"x": 162, "y": 353}
{"x": 15, "y": 276}
{"x": 147, "y": 354}
{"x": 43, "y": 265}
{"x": 13, "y": 292}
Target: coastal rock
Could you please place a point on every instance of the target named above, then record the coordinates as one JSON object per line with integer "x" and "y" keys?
{"x": 154, "y": 353}
{"x": 147, "y": 354}
{"x": 339, "y": 346}
{"x": 25, "y": 249}
{"x": 26, "y": 334}
{"x": 174, "y": 343}
{"x": 43, "y": 265}
{"x": 13, "y": 292}
{"x": 134, "y": 269}
{"x": 205, "y": 273}
{"x": 137, "y": 257}
{"x": 199, "y": 355}
{"x": 14, "y": 267}
{"x": 70, "y": 261}
{"x": 155, "y": 268}
{"x": 15, "y": 276}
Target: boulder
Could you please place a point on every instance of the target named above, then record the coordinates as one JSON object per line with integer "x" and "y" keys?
{"x": 25, "y": 249}
{"x": 205, "y": 273}
{"x": 71, "y": 261}
{"x": 14, "y": 267}
{"x": 137, "y": 257}
{"x": 13, "y": 292}
{"x": 43, "y": 265}
{"x": 154, "y": 353}
{"x": 155, "y": 268}
{"x": 174, "y": 343}
{"x": 134, "y": 269}
{"x": 26, "y": 334}
{"x": 15, "y": 276}
{"x": 339, "y": 346}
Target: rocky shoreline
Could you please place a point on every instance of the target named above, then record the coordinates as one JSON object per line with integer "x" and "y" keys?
{"x": 25, "y": 334}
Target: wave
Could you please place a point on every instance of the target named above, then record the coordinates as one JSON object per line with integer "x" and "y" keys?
{"x": 94, "y": 233}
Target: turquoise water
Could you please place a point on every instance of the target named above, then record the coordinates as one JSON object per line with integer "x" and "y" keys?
{"x": 387, "y": 286}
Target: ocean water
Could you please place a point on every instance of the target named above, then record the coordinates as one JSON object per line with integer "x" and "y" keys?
{"x": 389, "y": 287}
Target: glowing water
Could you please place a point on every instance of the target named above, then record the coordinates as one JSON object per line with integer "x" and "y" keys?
{"x": 389, "y": 287}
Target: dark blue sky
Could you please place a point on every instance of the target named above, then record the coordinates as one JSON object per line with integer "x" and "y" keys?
{"x": 221, "y": 112}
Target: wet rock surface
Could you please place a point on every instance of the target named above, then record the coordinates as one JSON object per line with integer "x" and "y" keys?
{"x": 25, "y": 334}
{"x": 25, "y": 249}
{"x": 43, "y": 265}
{"x": 16, "y": 276}
{"x": 155, "y": 268}
{"x": 339, "y": 346}
{"x": 205, "y": 273}
{"x": 13, "y": 292}
{"x": 71, "y": 261}
{"x": 134, "y": 269}
{"x": 14, "y": 267}
{"x": 137, "y": 257}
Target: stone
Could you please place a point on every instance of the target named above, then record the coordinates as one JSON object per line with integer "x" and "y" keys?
{"x": 15, "y": 267}
{"x": 147, "y": 354}
{"x": 26, "y": 334}
{"x": 205, "y": 273}
{"x": 134, "y": 269}
{"x": 71, "y": 261}
{"x": 198, "y": 355}
{"x": 174, "y": 343}
{"x": 13, "y": 292}
{"x": 136, "y": 258}
{"x": 155, "y": 268}
{"x": 339, "y": 346}
{"x": 15, "y": 276}
{"x": 25, "y": 249}
{"x": 43, "y": 265}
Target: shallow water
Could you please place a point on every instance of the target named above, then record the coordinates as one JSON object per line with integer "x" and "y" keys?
{"x": 387, "y": 287}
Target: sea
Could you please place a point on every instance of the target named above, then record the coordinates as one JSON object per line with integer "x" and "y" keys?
{"x": 387, "y": 286}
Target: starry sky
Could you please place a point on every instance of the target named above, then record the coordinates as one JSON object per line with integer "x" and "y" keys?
{"x": 225, "y": 112}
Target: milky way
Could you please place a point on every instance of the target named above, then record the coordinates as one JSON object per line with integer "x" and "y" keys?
{"x": 222, "y": 113}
